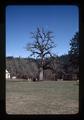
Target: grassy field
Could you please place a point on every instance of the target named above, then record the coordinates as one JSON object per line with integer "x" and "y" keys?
{"x": 45, "y": 97}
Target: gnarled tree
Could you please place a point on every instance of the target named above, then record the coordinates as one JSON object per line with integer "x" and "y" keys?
{"x": 41, "y": 47}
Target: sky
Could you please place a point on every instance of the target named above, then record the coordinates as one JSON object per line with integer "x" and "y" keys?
{"x": 20, "y": 21}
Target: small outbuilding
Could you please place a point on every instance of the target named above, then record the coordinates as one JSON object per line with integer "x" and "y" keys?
{"x": 7, "y": 74}
{"x": 14, "y": 77}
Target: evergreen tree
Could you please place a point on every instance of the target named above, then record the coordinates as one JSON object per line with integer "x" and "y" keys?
{"x": 74, "y": 53}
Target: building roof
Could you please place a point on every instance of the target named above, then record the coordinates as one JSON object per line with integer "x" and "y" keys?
{"x": 7, "y": 71}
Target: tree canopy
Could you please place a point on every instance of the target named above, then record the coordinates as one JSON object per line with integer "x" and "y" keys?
{"x": 74, "y": 50}
{"x": 41, "y": 46}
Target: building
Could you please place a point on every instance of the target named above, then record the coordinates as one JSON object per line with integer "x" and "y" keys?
{"x": 7, "y": 74}
{"x": 14, "y": 77}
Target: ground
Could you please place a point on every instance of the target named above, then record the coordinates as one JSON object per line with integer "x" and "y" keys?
{"x": 44, "y": 97}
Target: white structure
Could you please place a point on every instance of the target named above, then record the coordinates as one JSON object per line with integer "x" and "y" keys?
{"x": 14, "y": 77}
{"x": 29, "y": 79}
{"x": 7, "y": 74}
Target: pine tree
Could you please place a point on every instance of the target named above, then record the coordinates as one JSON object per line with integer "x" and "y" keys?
{"x": 74, "y": 53}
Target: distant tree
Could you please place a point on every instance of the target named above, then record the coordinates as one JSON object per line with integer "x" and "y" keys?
{"x": 74, "y": 50}
{"x": 64, "y": 60}
{"x": 57, "y": 67}
{"x": 9, "y": 57}
{"x": 41, "y": 47}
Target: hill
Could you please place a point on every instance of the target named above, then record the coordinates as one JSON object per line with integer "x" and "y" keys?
{"x": 58, "y": 68}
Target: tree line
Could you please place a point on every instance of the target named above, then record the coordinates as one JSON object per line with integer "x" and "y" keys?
{"x": 59, "y": 68}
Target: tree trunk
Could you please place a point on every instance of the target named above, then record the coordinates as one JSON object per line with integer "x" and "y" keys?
{"x": 41, "y": 74}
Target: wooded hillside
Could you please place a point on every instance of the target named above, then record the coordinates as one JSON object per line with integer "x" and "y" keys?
{"x": 59, "y": 68}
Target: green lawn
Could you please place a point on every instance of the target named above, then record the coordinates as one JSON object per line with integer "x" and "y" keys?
{"x": 44, "y": 97}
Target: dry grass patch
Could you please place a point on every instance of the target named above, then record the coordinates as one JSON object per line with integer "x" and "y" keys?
{"x": 45, "y": 97}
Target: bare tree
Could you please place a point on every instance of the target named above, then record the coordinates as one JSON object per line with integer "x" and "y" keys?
{"x": 41, "y": 47}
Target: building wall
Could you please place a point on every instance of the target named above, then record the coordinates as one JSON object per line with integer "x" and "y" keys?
{"x": 7, "y": 74}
